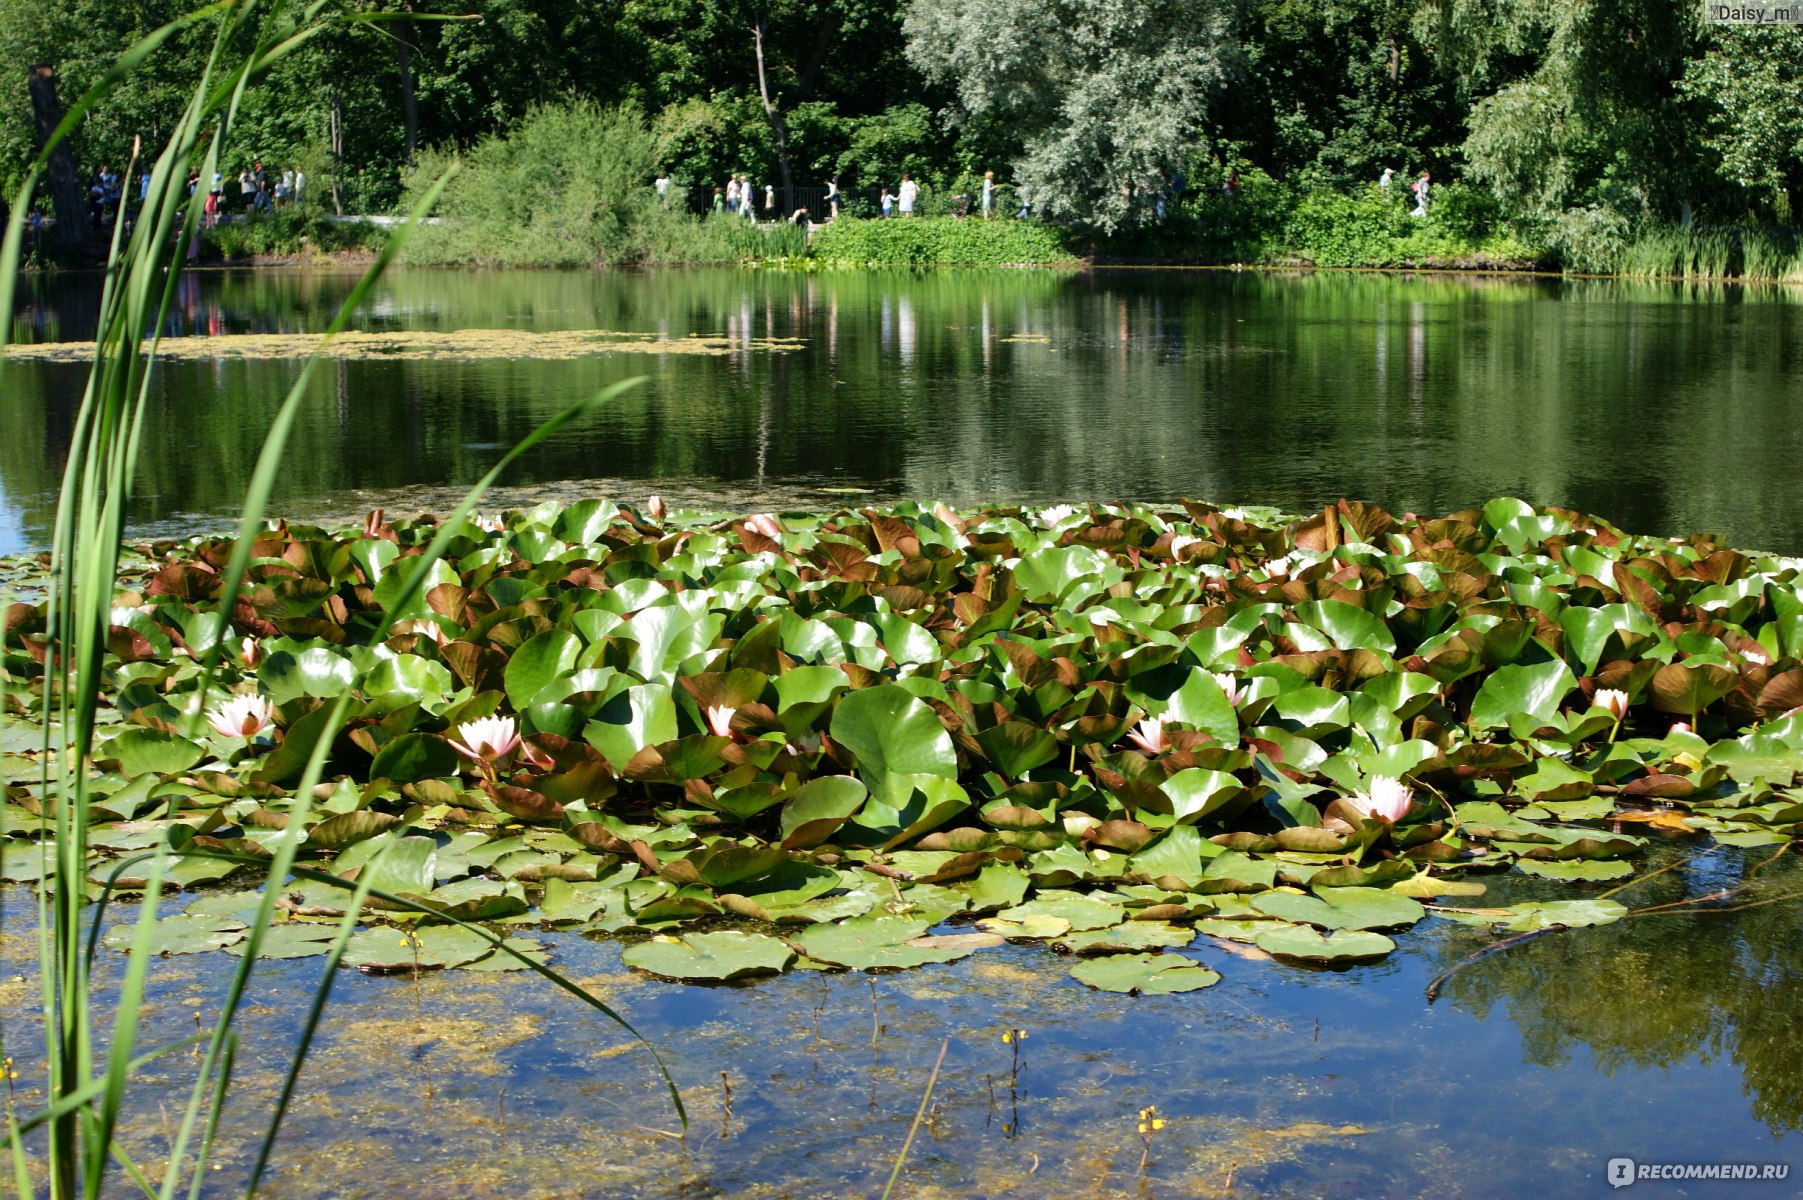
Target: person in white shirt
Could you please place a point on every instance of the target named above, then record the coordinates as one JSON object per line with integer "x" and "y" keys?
{"x": 1383, "y": 181}
{"x": 988, "y": 194}
{"x": 663, "y": 186}
{"x": 732, "y": 193}
{"x": 910, "y": 191}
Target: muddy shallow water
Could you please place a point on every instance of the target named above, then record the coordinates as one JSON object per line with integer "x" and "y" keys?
{"x": 1664, "y": 1039}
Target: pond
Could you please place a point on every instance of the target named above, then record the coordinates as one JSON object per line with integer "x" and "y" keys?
{"x": 1664, "y": 408}
{"x": 1667, "y": 1037}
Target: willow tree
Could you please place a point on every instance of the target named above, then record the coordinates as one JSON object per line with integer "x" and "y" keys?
{"x": 1106, "y": 95}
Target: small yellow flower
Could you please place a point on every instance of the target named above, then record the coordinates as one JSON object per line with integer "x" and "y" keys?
{"x": 1013, "y": 1035}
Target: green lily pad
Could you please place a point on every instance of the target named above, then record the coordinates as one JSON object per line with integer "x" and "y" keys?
{"x": 1303, "y": 943}
{"x": 714, "y": 957}
{"x": 1078, "y": 911}
{"x": 1575, "y": 869}
{"x": 1144, "y": 974}
{"x": 1132, "y": 935}
{"x": 180, "y": 934}
{"x": 873, "y": 942}
{"x": 1342, "y": 908}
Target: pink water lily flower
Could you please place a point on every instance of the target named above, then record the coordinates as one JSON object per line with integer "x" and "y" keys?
{"x": 1385, "y": 799}
{"x": 488, "y": 740}
{"x": 1614, "y": 700}
{"x": 1148, "y": 735}
{"x": 1235, "y": 690}
{"x": 654, "y": 508}
{"x": 719, "y": 719}
{"x": 242, "y": 716}
{"x": 765, "y": 524}
{"x": 250, "y": 653}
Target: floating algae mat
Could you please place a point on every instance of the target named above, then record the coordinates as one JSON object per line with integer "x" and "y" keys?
{"x": 449, "y": 345}
{"x": 883, "y": 739}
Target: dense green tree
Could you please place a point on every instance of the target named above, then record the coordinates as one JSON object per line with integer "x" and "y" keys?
{"x": 1107, "y": 95}
{"x": 1750, "y": 79}
{"x": 1334, "y": 93}
{"x": 1575, "y": 105}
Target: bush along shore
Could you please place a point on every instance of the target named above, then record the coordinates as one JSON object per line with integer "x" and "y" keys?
{"x": 889, "y": 738}
{"x": 1327, "y": 229}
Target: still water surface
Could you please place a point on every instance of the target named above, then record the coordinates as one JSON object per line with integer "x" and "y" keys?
{"x": 1664, "y": 1038}
{"x": 1665, "y": 408}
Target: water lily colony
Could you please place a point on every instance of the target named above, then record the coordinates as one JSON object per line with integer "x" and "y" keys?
{"x": 882, "y": 739}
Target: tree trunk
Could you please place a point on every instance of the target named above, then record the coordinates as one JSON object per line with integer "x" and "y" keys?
{"x": 810, "y": 71}
{"x": 67, "y": 199}
{"x": 336, "y": 134}
{"x": 409, "y": 105}
{"x": 775, "y": 117}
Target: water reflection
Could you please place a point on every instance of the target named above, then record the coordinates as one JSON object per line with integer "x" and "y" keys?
{"x": 1662, "y": 990}
{"x": 1665, "y": 408}
{"x": 1663, "y": 1039}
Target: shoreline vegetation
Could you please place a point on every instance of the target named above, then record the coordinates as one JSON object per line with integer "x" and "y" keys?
{"x": 1732, "y": 255}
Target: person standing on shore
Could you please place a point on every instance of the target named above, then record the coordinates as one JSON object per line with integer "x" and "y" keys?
{"x": 1419, "y": 187}
{"x": 887, "y": 202}
{"x": 1383, "y": 182}
{"x": 832, "y": 199}
{"x": 910, "y": 191}
{"x": 662, "y": 184}
{"x": 988, "y": 194}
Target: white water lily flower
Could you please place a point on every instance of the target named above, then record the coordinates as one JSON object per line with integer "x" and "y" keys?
{"x": 123, "y": 613}
{"x": 487, "y": 524}
{"x": 1385, "y": 799}
{"x": 654, "y": 508}
{"x": 765, "y": 524}
{"x": 242, "y": 716}
{"x": 719, "y": 719}
{"x": 490, "y": 739}
{"x": 1055, "y": 514}
{"x": 250, "y": 654}
{"x": 1148, "y": 735}
{"x": 1278, "y": 568}
{"x": 1614, "y": 700}
{"x": 1182, "y": 542}
{"x": 1235, "y": 690}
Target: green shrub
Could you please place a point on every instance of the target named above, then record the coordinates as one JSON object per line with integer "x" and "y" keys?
{"x": 1336, "y": 230}
{"x": 678, "y": 239}
{"x": 569, "y": 186}
{"x": 941, "y": 242}
{"x": 291, "y": 233}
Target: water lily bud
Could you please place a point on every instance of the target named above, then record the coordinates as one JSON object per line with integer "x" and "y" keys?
{"x": 1148, "y": 735}
{"x": 765, "y": 524}
{"x": 1614, "y": 700}
{"x": 1232, "y": 687}
{"x": 719, "y": 719}
{"x": 250, "y": 653}
{"x": 654, "y": 508}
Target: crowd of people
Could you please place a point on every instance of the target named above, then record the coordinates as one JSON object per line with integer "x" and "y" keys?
{"x": 253, "y": 189}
